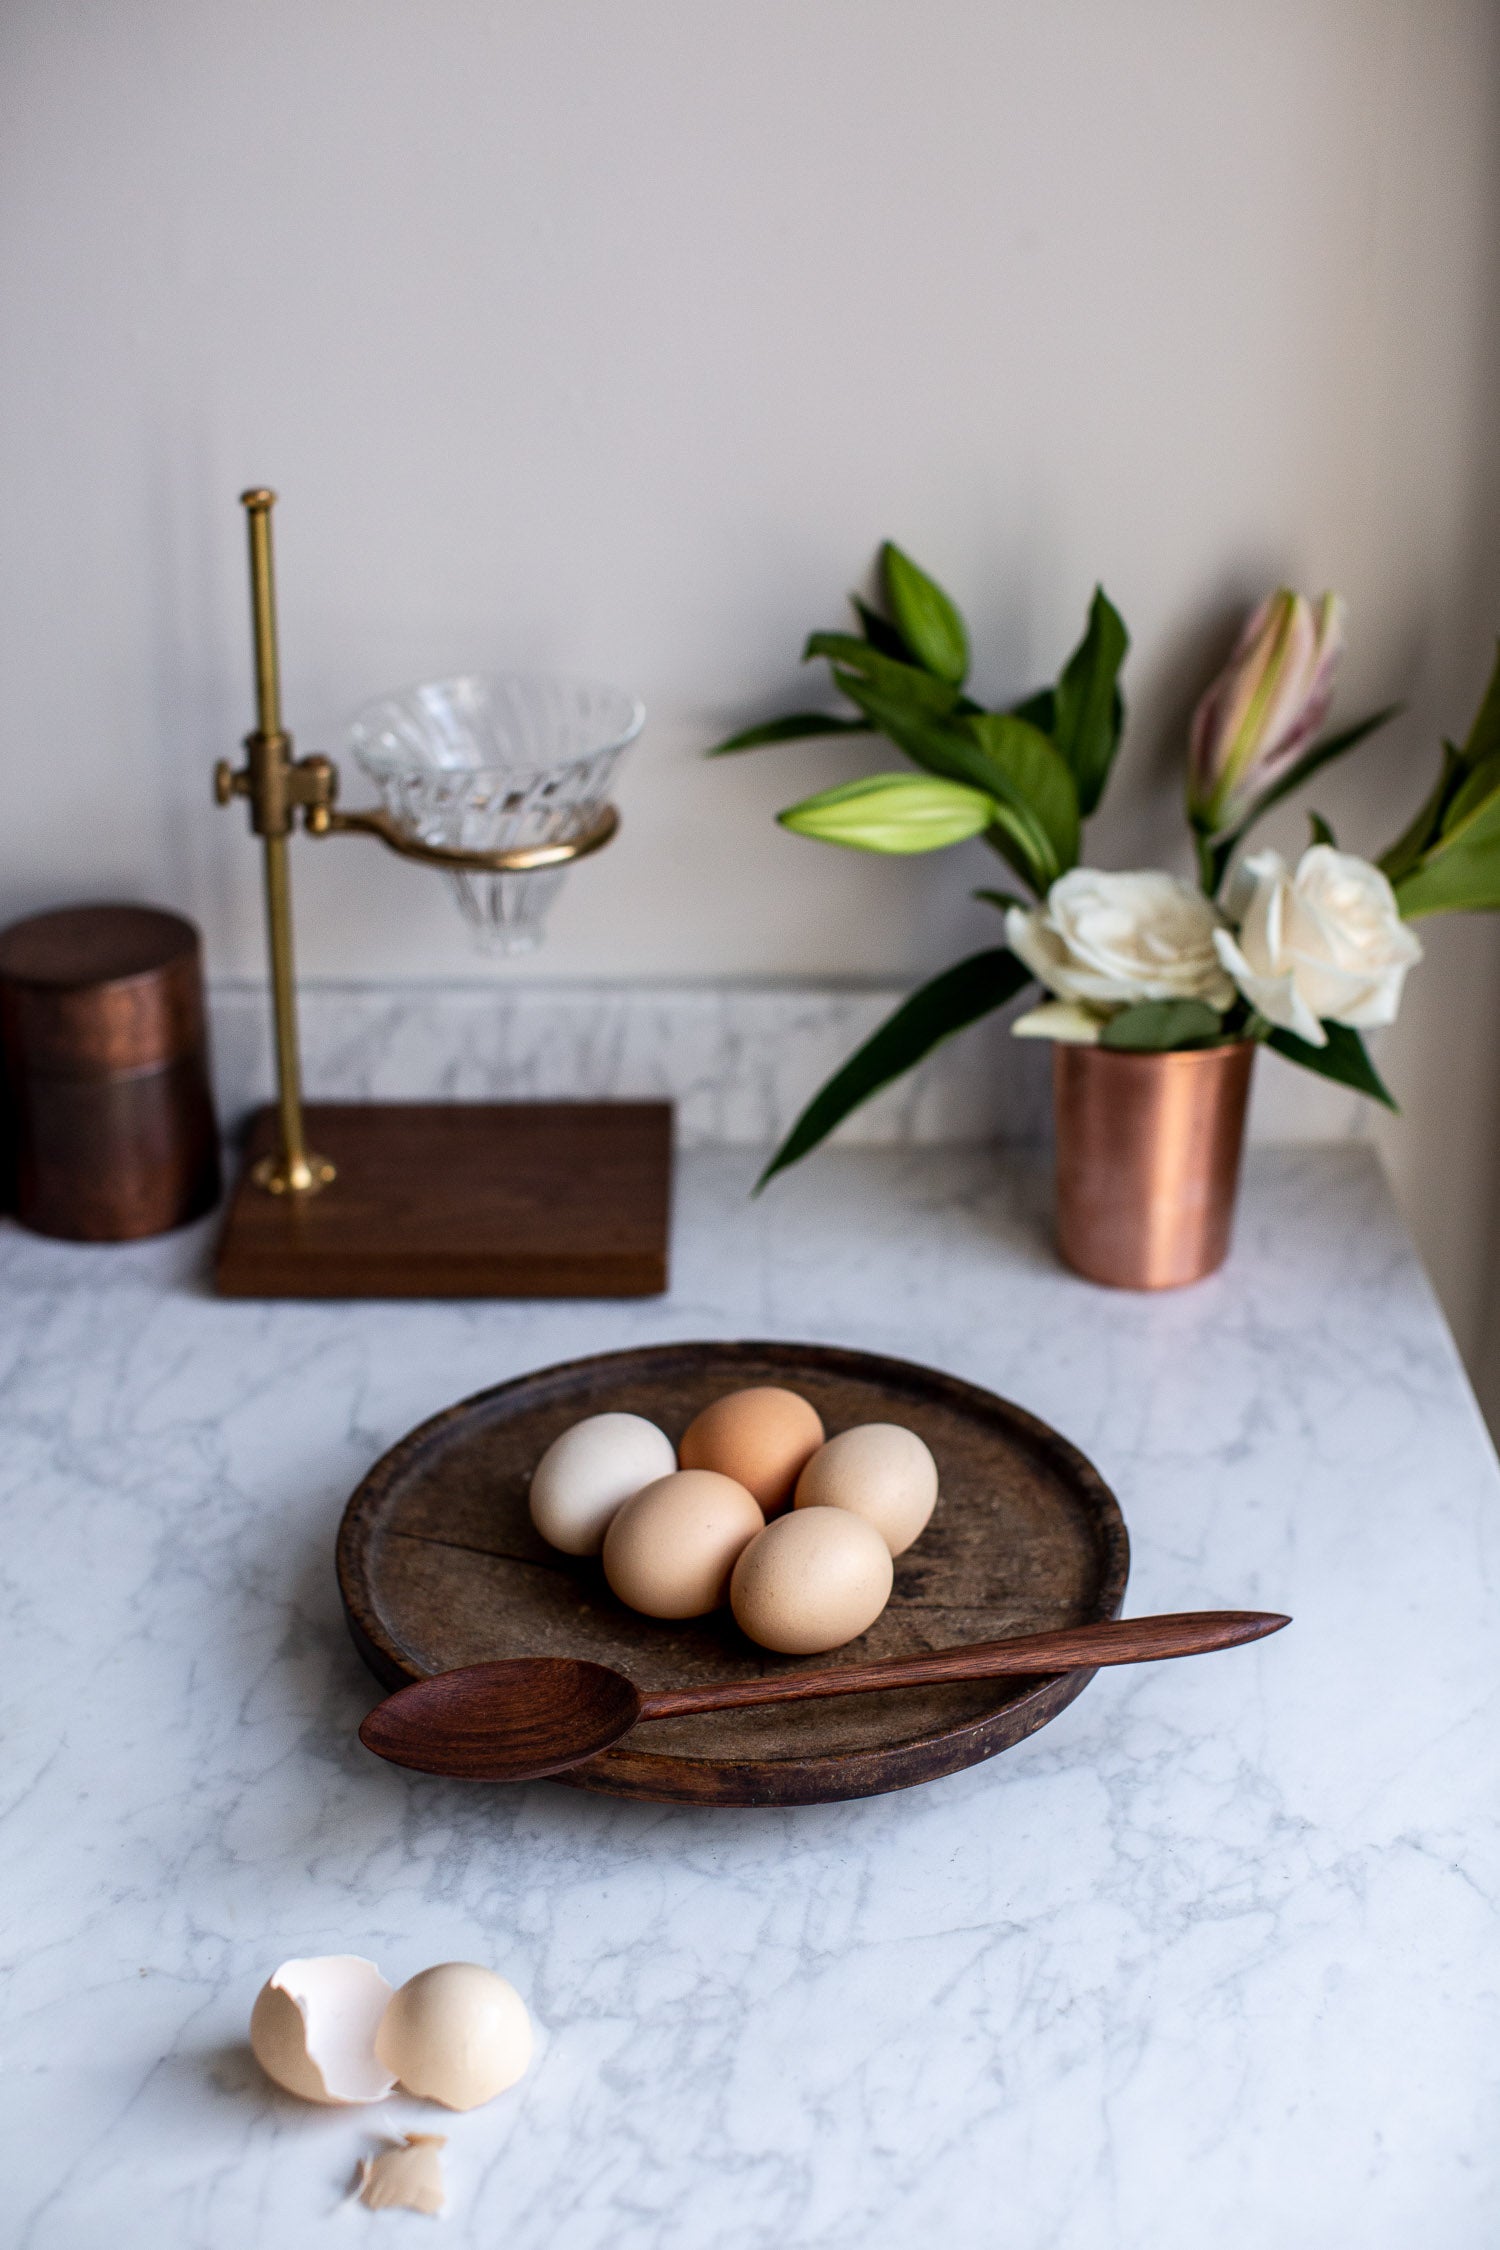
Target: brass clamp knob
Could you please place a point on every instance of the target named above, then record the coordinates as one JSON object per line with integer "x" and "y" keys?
{"x": 230, "y": 782}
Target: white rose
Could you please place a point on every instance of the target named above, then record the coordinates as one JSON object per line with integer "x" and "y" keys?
{"x": 1107, "y": 941}
{"x": 1326, "y": 944}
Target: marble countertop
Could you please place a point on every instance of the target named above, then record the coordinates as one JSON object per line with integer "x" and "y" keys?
{"x": 1210, "y": 1960}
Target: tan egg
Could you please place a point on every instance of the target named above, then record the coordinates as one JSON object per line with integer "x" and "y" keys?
{"x": 313, "y": 2028}
{"x": 763, "y": 1438}
{"x": 812, "y": 1581}
{"x": 877, "y": 1470}
{"x": 457, "y": 2034}
{"x": 670, "y": 1550}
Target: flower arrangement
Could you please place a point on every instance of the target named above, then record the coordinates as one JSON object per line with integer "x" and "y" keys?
{"x": 1305, "y": 959}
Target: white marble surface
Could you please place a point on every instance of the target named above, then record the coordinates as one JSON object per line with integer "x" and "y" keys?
{"x": 1209, "y": 1961}
{"x": 739, "y": 1061}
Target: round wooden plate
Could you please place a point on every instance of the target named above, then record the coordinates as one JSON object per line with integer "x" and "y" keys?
{"x": 439, "y": 1566}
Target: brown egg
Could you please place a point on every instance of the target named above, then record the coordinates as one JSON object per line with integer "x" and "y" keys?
{"x": 669, "y": 1551}
{"x": 811, "y": 1581}
{"x": 763, "y": 1438}
{"x": 880, "y": 1471}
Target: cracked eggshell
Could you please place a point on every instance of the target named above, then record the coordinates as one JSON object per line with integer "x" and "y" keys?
{"x": 585, "y": 1477}
{"x": 313, "y": 2028}
{"x": 457, "y": 2034}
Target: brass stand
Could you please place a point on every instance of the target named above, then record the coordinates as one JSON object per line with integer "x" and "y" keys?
{"x": 431, "y": 1200}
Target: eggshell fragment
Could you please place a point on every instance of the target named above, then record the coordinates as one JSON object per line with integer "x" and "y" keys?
{"x": 812, "y": 1581}
{"x": 457, "y": 2034}
{"x": 877, "y": 1470}
{"x": 592, "y": 1470}
{"x": 670, "y": 1550}
{"x": 407, "y": 2177}
{"x": 763, "y": 1438}
{"x": 313, "y": 2028}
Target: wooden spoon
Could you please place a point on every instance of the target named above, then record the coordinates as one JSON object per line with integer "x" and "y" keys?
{"x": 534, "y": 1715}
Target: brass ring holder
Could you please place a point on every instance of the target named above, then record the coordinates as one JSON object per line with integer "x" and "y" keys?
{"x": 278, "y": 787}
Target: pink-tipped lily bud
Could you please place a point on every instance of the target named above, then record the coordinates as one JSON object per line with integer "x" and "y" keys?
{"x": 1265, "y": 708}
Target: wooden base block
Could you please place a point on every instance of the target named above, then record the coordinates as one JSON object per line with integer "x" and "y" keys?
{"x": 461, "y": 1199}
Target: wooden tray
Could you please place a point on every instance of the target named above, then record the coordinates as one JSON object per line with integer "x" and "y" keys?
{"x": 439, "y": 1565}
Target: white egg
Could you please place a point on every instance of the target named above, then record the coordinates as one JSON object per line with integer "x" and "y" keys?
{"x": 313, "y": 2028}
{"x": 457, "y": 2034}
{"x": 586, "y": 1475}
{"x": 878, "y": 1470}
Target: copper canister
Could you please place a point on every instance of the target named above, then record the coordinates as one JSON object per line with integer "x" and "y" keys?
{"x": 109, "y": 1111}
{"x": 1148, "y": 1160}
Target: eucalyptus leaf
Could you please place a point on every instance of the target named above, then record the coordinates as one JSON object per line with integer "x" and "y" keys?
{"x": 1032, "y": 776}
{"x": 926, "y": 619}
{"x": 797, "y": 726}
{"x": 950, "y": 1003}
{"x": 893, "y": 812}
{"x": 1162, "y": 1026}
{"x": 1344, "y": 1058}
{"x": 1088, "y": 712}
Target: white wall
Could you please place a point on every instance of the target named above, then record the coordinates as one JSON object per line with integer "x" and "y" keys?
{"x": 614, "y": 334}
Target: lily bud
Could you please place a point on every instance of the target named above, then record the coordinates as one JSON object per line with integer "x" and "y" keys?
{"x": 1265, "y": 708}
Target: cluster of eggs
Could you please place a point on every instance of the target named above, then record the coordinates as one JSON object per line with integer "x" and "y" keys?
{"x": 682, "y": 1532}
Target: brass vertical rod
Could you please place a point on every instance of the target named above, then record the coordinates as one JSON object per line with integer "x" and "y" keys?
{"x": 291, "y": 1170}
{"x": 258, "y": 505}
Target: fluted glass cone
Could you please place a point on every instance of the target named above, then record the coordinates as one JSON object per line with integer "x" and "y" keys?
{"x": 497, "y": 762}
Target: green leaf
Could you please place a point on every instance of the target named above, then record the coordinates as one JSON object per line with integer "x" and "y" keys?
{"x": 881, "y": 633}
{"x": 1425, "y": 828}
{"x": 950, "y": 1003}
{"x": 1002, "y": 899}
{"x": 1031, "y": 775}
{"x": 905, "y": 684}
{"x": 1159, "y": 1026}
{"x": 926, "y": 619}
{"x": 1039, "y": 710}
{"x": 893, "y": 812}
{"x": 1320, "y": 832}
{"x": 1484, "y": 735}
{"x": 1344, "y": 1058}
{"x": 795, "y": 727}
{"x": 1460, "y": 873}
{"x": 1088, "y": 712}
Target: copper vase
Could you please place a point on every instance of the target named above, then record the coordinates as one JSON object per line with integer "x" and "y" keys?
{"x": 1148, "y": 1160}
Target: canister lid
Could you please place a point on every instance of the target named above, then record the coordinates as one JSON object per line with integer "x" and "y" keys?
{"x": 90, "y": 990}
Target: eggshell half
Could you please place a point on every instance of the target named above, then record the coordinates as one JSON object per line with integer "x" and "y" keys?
{"x": 457, "y": 2034}
{"x": 811, "y": 1581}
{"x": 877, "y": 1470}
{"x": 670, "y": 1550}
{"x": 313, "y": 2028}
{"x": 763, "y": 1438}
{"x": 592, "y": 1470}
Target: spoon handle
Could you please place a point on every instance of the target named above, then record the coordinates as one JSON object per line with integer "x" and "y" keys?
{"x": 1132, "y": 1640}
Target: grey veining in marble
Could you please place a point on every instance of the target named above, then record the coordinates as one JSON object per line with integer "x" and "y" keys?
{"x": 1209, "y": 1961}
{"x": 739, "y": 1061}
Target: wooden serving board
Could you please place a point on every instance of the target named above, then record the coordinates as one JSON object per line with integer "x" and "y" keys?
{"x": 439, "y": 1565}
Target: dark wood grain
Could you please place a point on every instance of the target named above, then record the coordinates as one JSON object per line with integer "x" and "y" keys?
{"x": 462, "y": 1199}
{"x": 440, "y": 1566}
{"x": 529, "y": 1718}
{"x": 110, "y": 1126}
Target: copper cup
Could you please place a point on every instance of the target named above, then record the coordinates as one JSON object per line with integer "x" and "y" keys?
{"x": 1148, "y": 1160}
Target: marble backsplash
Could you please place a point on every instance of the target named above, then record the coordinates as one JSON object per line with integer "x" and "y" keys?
{"x": 738, "y": 1060}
